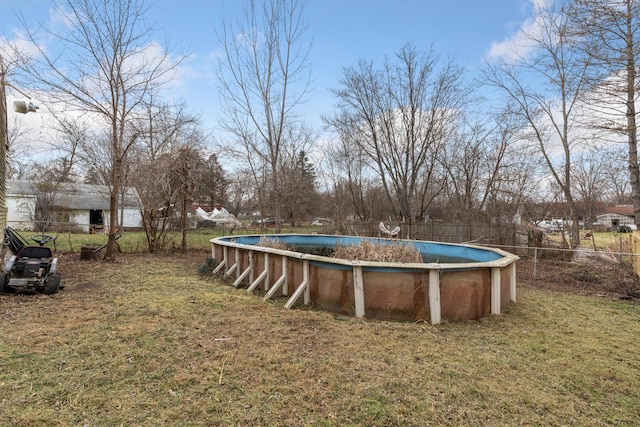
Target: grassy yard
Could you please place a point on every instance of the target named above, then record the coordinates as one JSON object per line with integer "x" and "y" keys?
{"x": 147, "y": 341}
{"x": 135, "y": 241}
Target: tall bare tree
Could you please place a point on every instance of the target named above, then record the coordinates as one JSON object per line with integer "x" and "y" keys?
{"x": 478, "y": 162}
{"x": 400, "y": 115}
{"x": 590, "y": 181}
{"x": 166, "y": 158}
{"x": 609, "y": 34}
{"x": 615, "y": 174}
{"x": 350, "y": 176}
{"x": 545, "y": 86}
{"x": 103, "y": 62}
{"x": 212, "y": 186}
{"x": 300, "y": 189}
{"x": 264, "y": 78}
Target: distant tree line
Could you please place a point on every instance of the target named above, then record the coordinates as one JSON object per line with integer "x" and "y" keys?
{"x": 550, "y": 126}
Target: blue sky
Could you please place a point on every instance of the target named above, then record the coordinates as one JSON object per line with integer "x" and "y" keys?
{"x": 341, "y": 31}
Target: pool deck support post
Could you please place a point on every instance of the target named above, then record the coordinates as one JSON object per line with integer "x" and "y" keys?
{"x": 495, "y": 290}
{"x": 435, "y": 311}
{"x": 513, "y": 282}
{"x": 358, "y": 290}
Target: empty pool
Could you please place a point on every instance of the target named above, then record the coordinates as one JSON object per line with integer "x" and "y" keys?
{"x": 454, "y": 282}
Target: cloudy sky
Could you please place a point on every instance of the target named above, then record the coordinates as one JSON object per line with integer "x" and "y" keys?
{"x": 341, "y": 32}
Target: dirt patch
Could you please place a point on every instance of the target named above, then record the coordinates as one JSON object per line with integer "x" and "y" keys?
{"x": 588, "y": 274}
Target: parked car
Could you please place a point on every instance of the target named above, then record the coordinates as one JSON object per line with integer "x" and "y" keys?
{"x": 267, "y": 222}
{"x": 322, "y": 221}
{"x": 626, "y": 228}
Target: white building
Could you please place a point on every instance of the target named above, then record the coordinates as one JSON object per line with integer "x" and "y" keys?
{"x": 84, "y": 206}
{"x": 616, "y": 215}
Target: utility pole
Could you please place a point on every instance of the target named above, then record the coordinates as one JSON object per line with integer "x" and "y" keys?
{"x": 4, "y": 147}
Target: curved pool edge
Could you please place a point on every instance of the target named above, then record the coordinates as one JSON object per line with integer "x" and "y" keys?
{"x": 387, "y": 291}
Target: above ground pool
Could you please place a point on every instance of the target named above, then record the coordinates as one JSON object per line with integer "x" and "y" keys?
{"x": 454, "y": 282}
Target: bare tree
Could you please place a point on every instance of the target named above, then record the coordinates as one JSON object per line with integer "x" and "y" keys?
{"x": 300, "y": 189}
{"x": 609, "y": 35}
{"x": 545, "y": 87}
{"x": 264, "y": 77}
{"x": 104, "y": 63}
{"x": 590, "y": 181}
{"x": 212, "y": 186}
{"x": 350, "y": 175}
{"x": 186, "y": 167}
{"x": 165, "y": 156}
{"x": 612, "y": 170}
{"x": 240, "y": 192}
{"x": 400, "y": 116}
{"x": 487, "y": 167}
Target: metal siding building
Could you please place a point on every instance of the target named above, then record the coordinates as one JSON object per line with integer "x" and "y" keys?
{"x": 87, "y": 205}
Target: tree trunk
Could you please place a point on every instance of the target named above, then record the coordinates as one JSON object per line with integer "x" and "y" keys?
{"x": 634, "y": 171}
{"x": 113, "y": 210}
{"x": 183, "y": 224}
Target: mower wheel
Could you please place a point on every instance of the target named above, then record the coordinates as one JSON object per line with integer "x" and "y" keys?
{"x": 51, "y": 284}
{"x": 4, "y": 280}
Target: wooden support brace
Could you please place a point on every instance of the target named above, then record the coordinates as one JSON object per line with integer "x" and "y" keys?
{"x": 242, "y": 276}
{"x": 358, "y": 290}
{"x": 256, "y": 282}
{"x": 296, "y": 294}
{"x": 285, "y": 285}
{"x": 434, "y": 297}
{"x": 302, "y": 288}
{"x": 495, "y": 290}
{"x": 220, "y": 266}
{"x": 305, "y": 278}
{"x": 231, "y": 269}
{"x": 238, "y": 262}
{"x": 267, "y": 269}
{"x": 251, "y": 275}
{"x": 513, "y": 282}
{"x": 275, "y": 287}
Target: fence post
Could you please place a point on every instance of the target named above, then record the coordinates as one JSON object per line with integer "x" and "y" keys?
{"x": 620, "y": 255}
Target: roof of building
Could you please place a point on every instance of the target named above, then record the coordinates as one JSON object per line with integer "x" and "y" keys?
{"x": 73, "y": 195}
{"x": 620, "y": 210}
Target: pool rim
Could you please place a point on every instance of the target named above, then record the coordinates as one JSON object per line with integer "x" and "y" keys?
{"x": 506, "y": 259}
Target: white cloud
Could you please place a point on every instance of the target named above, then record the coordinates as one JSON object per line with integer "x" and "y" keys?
{"x": 516, "y": 45}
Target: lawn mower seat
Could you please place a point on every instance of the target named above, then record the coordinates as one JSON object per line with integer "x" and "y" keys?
{"x": 34, "y": 252}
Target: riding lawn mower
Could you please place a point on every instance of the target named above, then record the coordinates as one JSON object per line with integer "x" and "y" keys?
{"x": 30, "y": 268}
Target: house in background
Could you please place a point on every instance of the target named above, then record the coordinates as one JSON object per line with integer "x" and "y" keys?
{"x": 613, "y": 216}
{"x": 80, "y": 206}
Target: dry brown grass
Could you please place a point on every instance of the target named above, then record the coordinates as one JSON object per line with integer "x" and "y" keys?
{"x": 147, "y": 341}
{"x": 371, "y": 250}
{"x": 269, "y": 242}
